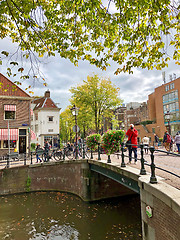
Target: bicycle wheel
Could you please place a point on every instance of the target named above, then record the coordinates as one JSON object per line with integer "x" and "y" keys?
{"x": 58, "y": 155}
{"x": 69, "y": 154}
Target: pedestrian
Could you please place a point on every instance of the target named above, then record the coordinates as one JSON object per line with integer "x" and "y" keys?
{"x": 37, "y": 155}
{"x": 167, "y": 140}
{"x": 177, "y": 141}
{"x": 145, "y": 142}
{"x": 46, "y": 154}
{"x": 132, "y": 134}
{"x": 156, "y": 141}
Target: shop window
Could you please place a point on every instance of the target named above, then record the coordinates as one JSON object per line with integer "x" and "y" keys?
{"x": 12, "y": 144}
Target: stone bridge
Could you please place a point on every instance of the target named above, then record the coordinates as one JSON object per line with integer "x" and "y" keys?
{"x": 93, "y": 180}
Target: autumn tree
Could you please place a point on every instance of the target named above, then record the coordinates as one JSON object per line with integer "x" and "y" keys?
{"x": 136, "y": 33}
{"x": 98, "y": 96}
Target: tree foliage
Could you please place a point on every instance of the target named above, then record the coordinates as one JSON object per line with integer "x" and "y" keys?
{"x": 97, "y": 97}
{"x": 136, "y": 33}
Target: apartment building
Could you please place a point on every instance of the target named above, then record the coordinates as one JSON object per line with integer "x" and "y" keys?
{"x": 14, "y": 117}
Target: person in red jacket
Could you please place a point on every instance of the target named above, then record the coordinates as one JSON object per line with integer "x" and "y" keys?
{"x": 132, "y": 134}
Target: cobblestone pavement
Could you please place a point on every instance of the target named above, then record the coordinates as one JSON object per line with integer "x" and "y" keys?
{"x": 161, "y": 160}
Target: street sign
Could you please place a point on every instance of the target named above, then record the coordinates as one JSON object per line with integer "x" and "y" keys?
{"x": 74, "y": 129}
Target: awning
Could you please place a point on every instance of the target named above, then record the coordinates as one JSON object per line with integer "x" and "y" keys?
{"x": 13, "y": 134}
{"x": 10, "y": 107}
{"x": 33, "y": 135}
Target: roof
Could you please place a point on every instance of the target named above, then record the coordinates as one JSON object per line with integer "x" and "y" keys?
{"x": 11, "y": 89}
{"x": 44, "y": 103}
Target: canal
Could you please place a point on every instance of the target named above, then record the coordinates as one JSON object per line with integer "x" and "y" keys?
{"x": 63, "y": 216}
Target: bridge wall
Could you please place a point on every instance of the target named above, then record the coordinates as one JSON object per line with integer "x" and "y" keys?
{"x": 164, "y": 202}
{"x": 70, "y": 176}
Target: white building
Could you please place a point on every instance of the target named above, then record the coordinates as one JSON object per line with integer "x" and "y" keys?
{"x": 45, "y": 120}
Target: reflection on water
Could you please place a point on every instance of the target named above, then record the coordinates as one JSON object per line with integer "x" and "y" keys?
{"x": 62, "y": 216}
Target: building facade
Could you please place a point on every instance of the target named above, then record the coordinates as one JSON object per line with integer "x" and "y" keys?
{"x": 14, "y": 118}
{"x": 45, "y": 120}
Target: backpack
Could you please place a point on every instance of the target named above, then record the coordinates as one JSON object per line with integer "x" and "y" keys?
{"x": 168, "y": 138}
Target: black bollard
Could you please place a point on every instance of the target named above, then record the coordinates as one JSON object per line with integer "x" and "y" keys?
{"x": 109, "y": 159}
{"x": 31, "y": 158}
{"x": 99, "y": 156}
{"x": 122, "y": 150}
{"x": 24, "y": 158}
{"x": 153, "y": 178}
{"x": 8, "y": 161}
{"x": 143, "y": 170}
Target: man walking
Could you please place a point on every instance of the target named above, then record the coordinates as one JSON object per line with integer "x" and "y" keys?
{"x": 132, "y": 134}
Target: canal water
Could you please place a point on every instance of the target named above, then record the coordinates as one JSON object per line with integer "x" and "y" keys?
{"x": 63, "y": 216}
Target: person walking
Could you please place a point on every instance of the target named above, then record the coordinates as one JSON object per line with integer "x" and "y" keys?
{"x": 156, "y": 141}
{"x": 37, "y": 155}
{"x": 177, "y": 141}
{"x": 132, "y": 134}
{"x": 167, "y": 140}
{"x": 46, "y": 154}
{"x": 145, "y": 142}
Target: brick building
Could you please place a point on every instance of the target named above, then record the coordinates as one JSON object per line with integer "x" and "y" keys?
{"x": 15, "y": 113}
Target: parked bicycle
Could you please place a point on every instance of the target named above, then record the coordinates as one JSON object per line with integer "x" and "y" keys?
{"x": 51, "y": 154}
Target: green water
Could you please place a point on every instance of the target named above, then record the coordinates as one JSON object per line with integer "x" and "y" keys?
{"x": 62, "y": 216}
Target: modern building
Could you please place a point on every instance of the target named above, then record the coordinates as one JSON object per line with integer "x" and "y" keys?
{"x": 14, "y": 118}
{"x": 45, "y": 120}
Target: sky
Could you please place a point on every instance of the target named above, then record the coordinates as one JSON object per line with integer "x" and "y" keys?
{"x": 61, "y": 75}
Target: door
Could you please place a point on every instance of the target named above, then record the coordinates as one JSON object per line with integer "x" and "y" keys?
{"x": 22, "y": 144}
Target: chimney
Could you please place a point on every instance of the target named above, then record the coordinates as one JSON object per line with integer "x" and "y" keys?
{"x": 47, "y": 94}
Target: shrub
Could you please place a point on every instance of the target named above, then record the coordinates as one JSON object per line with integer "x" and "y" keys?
{"x": 111, "y": 140}
{"x": 93, "y": 140}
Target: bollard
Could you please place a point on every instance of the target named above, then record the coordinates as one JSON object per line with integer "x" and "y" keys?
{"x": 31, "y": 158}
{"x": 24, "y": 158}
{"x": 91, "y": 153}
{"x": 153, "y": 178}
{"x": 143, "y": 170}
{"x": 99, "y": 156}
{"x": 122, "y": 149}
{"x": 109, "y": 159}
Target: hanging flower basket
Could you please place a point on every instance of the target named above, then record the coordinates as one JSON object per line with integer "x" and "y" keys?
{"x": 93, "y": 140}
{"x": 111, "y": 141}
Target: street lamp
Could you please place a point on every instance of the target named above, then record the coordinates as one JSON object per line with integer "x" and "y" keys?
{"x": 75, "y": 110}
{"x": 167, "y": 117}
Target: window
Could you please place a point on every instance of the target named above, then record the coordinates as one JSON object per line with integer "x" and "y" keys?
{"x": 12, "y": 144}
{"x": 171, "y": 85}
{"x": 50, "y": 118}
{"x": 50, "y": 130}
{"x": 9, "y": 111}
{"x": 36, "y": 128}
{"x": 9, "y": 115}
{"x": 36, "y": 116}
{"x": 167, "y": 88}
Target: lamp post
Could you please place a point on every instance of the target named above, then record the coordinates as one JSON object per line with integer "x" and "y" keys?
{"x": 75, "y": 110}
{"x": 167, "y": 117}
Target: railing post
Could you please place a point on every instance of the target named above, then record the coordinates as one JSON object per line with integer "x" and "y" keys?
{"x": 122, "y": 149}
{"x": 91, "y": 153}
{"x": 64, "y": 153}
{"x": 153, "y": 178}
{"x": 24, "y": 158}
{"x": 8, "y": 161}
{"x": 143, "y": 170}
{"x": 83, "y": 150}
{"x": 109, "y": 159}
{"x": 31, "y": 158}
{"x": 99, "y": 156}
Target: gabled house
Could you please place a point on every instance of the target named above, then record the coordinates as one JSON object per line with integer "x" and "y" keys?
{"x": 45, "y": 120}
{"x": 14, "y": 117}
